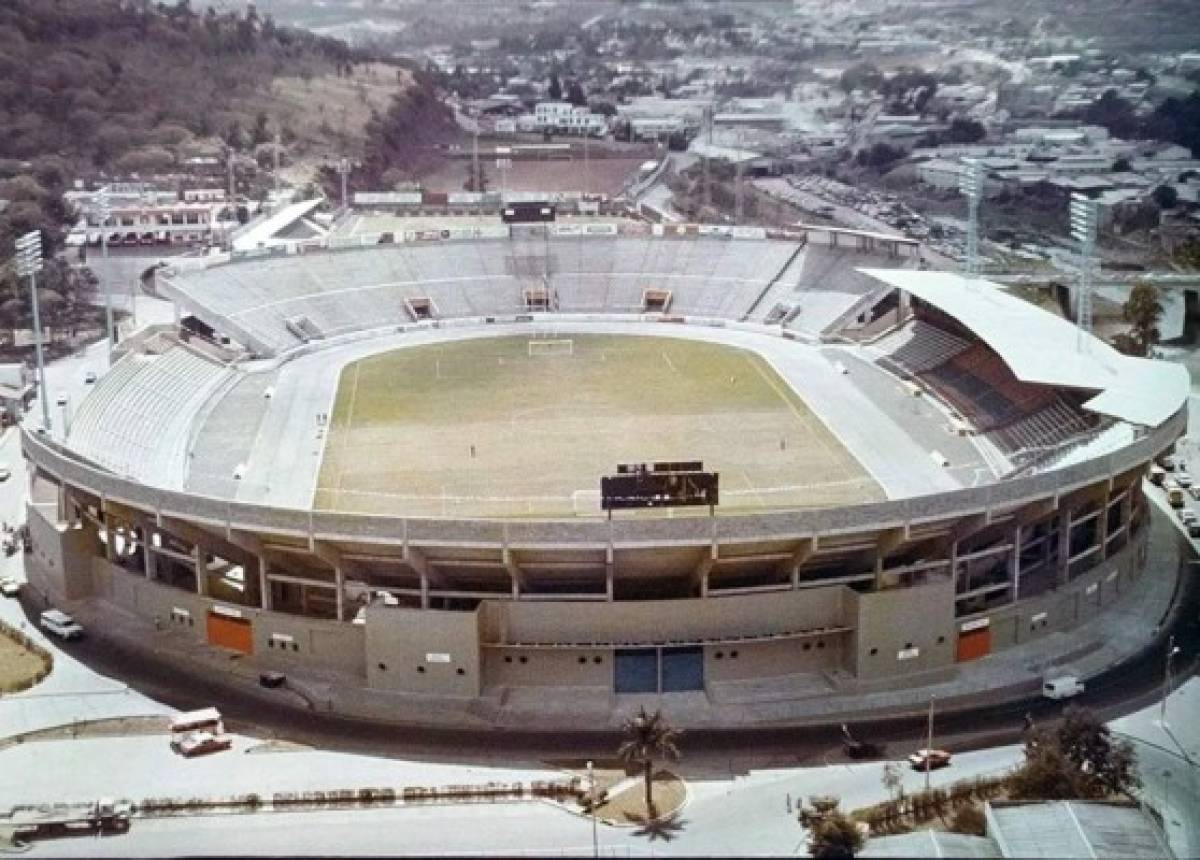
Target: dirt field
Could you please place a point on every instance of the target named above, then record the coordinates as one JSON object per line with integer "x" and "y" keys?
{"x": 484, "y": 428}
{"x": 18, "y": 665}
{"x": 602, "y": 176}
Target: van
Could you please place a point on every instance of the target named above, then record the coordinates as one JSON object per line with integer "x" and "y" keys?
{"x": 1063, "y": 687}
{"x": 1175, "y": 497}
{"x": 1157, "y": 475}
{"x": 61, "y": 624}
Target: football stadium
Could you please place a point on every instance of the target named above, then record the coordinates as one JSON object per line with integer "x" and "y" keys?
{"x": 564, "y": 466}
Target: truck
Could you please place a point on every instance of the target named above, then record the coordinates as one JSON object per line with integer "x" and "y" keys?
{"x": 102, "y": 816}
{"x": 1062, "y": 687}
{"x": 1175, "y": 497}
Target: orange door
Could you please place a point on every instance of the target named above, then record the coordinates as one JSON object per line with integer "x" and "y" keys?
{"x": 974, "y": 644}
{"x": 230, "y": 633}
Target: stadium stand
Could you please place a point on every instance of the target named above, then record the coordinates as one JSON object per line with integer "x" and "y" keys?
{"x": 831, "y": 292}
{"x": 315, "y": 295}
{"x": 145, "y": 399}
{"x": 916, "y": 347}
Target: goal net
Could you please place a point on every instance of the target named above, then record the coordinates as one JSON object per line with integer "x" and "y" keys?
{"x": 551, "y": 347}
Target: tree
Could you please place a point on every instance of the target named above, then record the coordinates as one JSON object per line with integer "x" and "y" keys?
{"x": 1077, "y": 760}
{"x": 555, "y": 91}
{"x": 892, "y": 780}
{"x": 1143, "y": 311}
{"x": 963, "y": 130}
{"x": 575, "y": 94}
{"x": 1114, "y": 113}
{"x": 1165, "y": 196}
{"x": 648, "y": 737}
{"x": 835, "y": 837}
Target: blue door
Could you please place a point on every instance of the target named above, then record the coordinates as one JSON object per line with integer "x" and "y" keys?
{"x": 682, "y": 669}
{"x": 636, "y": 670}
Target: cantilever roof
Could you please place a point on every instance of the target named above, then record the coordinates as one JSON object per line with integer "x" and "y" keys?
{"x": 1045, "y": 349}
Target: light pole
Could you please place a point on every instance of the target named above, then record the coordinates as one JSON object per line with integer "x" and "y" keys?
{"x": 104, "y": 210}
{"x": 929, "y": 745}
{"x": 1172, "y": 650}
{"x": 970, "y": 183}
{"x": 1083, "y": 230}
{"x": 591, "y": 772}
{"x": 343, "y": 169}
{"x": 29, "y": 262}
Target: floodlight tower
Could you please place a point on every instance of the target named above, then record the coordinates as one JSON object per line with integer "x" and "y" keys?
{"x": 970, "y": 183}
{"x": 104, "y": 212}
{"x": 1084, "y": 218}
{"x": 343, "y": 169}
{"x": 29, "y": 263}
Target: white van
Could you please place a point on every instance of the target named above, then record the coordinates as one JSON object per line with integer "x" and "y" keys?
{"x": 61, "y": 624}
{"x": 1063, "y": 687}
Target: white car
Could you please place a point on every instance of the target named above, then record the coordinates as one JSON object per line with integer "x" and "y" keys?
{"x": 89, "y": 377}
{"x": 61, "y": 624}
{"x": 9, "y": 587}
{"x": 62, "y": 400}
{"x": 5, "y": 472}
{"x": 1187, "y": 516}
{"x": 200, "y": 743}
{"x": 1183, "y": 479}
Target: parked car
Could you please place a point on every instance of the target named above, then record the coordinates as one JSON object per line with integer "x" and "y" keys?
{"x": 924, "y": 759}
{"x": 1175, "y": 497}
{"x": 62, "y": 400}
{"x": 89, "y": 377}
{"x": 1063, "y": 687}
{"x": 1187, "y": 516}
{"x": 5, "y": 472}
{"x": 1167, "y": 462}
{"x": 61, "y": 624}
{"x": 1194, "y": 492}
{"x": 1183, "y": 479}
{"x": 9, "y": 587}
{"x": 201, "y": 743}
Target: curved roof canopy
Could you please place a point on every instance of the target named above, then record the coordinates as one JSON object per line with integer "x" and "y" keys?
{"x": 1041, "y": 348}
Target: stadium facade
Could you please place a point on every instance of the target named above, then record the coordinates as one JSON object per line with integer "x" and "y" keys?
{"x": 1010, "y": 447}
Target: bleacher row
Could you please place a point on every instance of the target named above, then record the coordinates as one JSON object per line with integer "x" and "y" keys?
{"x": 829, "y": 287}
{"x": 1019, "y": 418}
{"x": 136, "y": 420}
{"x": 364, "y": 289}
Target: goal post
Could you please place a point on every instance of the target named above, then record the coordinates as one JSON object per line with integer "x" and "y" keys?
{"x": 557, "y": 346}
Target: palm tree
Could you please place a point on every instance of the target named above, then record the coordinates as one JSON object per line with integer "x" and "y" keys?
{"x": 648, "y": 737}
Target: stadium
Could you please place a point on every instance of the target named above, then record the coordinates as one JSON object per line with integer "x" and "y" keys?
{"x": 379, "y": 469}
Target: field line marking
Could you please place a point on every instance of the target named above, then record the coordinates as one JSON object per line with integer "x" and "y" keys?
{"x": 667, "y": 359}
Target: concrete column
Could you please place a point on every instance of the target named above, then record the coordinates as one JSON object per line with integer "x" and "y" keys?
{"x": 1064, "y": 547}
{"x": 878, "y": 582}
{"x": 1102, "y": 528}
{"x": 340, "y": 584}
{"x": 149, "y": 558}
{"x": 199, "y": 563}
{"x": 110, "y": 533}
{"x": 424, "y": 589}
{"x": 303, "y": 598}
{"x": 1014, "y": 564}
{"x": 264, "y": 582}
{"x": 954, "y": 564}
{"x": 609, "y": 572}
{"x": 1127, "y": 513}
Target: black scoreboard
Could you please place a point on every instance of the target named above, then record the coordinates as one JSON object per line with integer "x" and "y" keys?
{"x": 658, "y": 485}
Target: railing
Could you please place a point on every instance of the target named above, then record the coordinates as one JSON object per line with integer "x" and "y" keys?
{"x": 65, "y": 467}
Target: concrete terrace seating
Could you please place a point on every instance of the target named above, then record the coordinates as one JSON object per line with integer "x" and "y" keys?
{"x": 830, "y": 288}
{"x": 979, "y": 384}
{"x": 1040, "y": 431}
{"x": 366, "y": 288}
{"x": 135, "y": 421}
{"x": 917, "y": 347}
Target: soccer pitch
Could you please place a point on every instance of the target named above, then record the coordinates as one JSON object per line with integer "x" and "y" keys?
{"x": 493, "y": 427}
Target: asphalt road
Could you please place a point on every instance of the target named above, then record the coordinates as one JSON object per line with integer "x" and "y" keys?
{"x": 1125, "y": 689}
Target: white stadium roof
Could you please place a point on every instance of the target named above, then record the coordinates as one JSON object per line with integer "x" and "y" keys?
{"x": 1041, "y": 348}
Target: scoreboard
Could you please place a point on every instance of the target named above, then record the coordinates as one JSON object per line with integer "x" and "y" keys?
{"x": 659, "y": 485}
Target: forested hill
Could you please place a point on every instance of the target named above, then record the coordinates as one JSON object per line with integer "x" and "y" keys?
{"x": 112, "y": 85}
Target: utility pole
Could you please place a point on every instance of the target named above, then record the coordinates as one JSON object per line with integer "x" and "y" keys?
{"x": 738, "y": 204}
{"x": 232, "y": 182}
{"x": 29, "y": 263}
{"x": 343, "y": 169}
{"x": 591, "y": 772}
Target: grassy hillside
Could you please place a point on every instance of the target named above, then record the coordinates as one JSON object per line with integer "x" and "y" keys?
{"x": 120, "y": 86}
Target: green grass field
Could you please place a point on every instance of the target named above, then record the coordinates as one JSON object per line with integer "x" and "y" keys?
{"x": 481, "y": 427}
